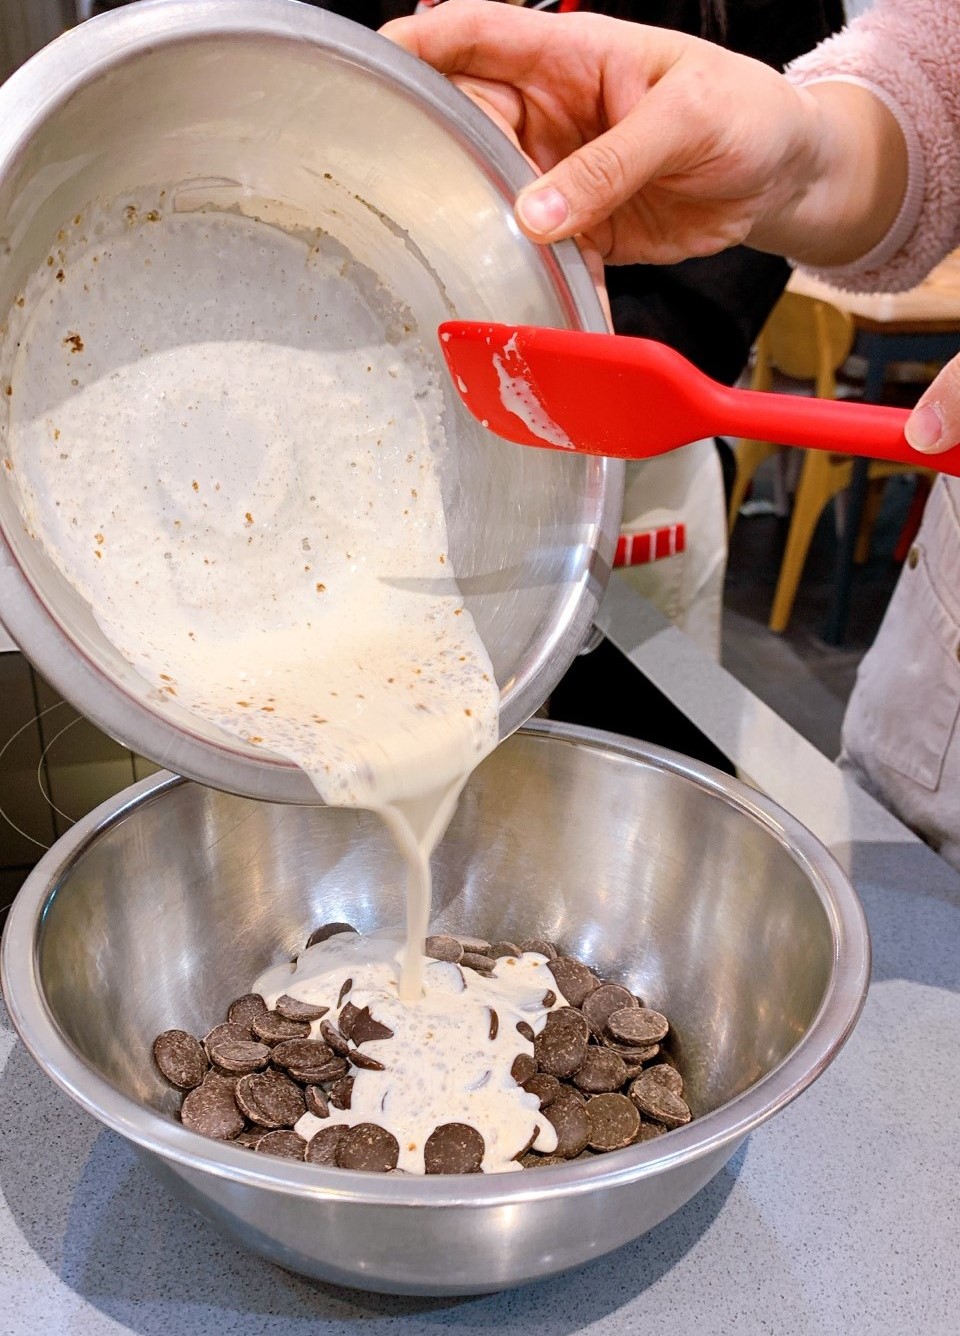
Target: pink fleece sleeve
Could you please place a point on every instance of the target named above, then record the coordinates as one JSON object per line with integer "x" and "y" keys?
{"x": 907, "y": 52}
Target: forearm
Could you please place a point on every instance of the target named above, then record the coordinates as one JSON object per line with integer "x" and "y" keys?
{"x": 855, "y": 185}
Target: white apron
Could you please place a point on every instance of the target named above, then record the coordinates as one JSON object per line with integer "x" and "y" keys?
{"x": 683, "y": 487}
{"x": 900, "y": 735}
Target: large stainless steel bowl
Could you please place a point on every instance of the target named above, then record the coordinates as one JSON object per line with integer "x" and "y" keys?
{"x": 164, "y": 904}
{"x": 273, "y": 107}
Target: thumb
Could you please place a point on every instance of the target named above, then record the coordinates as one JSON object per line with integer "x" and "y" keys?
{"x": 934, "y": 425}
{"x": 584, "y": 189}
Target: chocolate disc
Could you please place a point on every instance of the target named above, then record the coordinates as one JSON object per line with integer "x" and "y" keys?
{"x": 523, "y": 1068}
{"x": 228, "y": 1031}
{"x": 341, "y": 1093}
{"x": 638, "y": 1026}
{"x": 504, "y": 950}
{"x": 288, "y": 1145}
{"x": 602, "y": 1071}
{"x": 453, "y": 1148}
{"x": 526, "y": 1030}
{"x": 656, "y": 1100}
{"x": 334, "y": 1070}
{"x": 245, "y": 1008}
{"x": 327, "y": 930}
{"x": 528, "y": 1144}
{"x": 239, "y": 1056}
{"x": 365, "y": 1029}
{"x": 667, "y": 1076}
{"x": 322, "y": 1148}
{"x": 334, "y": 1038}
{"x": 292, "y": 1009}
{"x": 534, "y": 1160}
{"x": 444, "y": 947}
{"x": 270, "y": 1099}
{"x": 273, "y": 1028}
{"x": 603, "y": 1002}
{"x": 369, "y": 1147}
{"x": 302, "y": 1058}
{"x": 222, "y": 1079}
{"x": 181, "y": 1058}
{"x": 568, "y": 1114}
{"x": 574, "y": 980}
{"x": 477, "y": 944}
{"x": 346, "y": 1019}
{"x": 316, "y": 1102}
{"x": 472, "y": 960}
{"x": 561, "y": 1046}
{"x": 211, "y": 1110}
{"x": 365, "y": 1060}
{"x": 632, "y": 1055}
{"x": 546, "y": 1088}
{"x": 612, "y": 1121}
{"x": 539, "y": 946}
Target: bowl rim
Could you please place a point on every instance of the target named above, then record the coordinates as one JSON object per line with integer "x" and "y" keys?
{"x": 38, "y": 91}
{"x": 726, "y": 1126}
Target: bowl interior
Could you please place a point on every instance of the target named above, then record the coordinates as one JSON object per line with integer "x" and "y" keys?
{"x": 308, "y": 121}
{"x": 174, "y": 907}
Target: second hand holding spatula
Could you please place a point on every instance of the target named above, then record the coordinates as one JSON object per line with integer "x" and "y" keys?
{"x": 629, "y": 398}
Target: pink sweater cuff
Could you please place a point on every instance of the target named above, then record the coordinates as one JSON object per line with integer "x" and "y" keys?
{"x": 903, "y": 54}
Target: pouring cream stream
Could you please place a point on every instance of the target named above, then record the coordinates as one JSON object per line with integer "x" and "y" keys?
{"x": 226, "y": 438}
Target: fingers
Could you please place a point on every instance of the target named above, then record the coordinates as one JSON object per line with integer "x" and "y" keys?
{"x": 473, "y": 37}
{"x": 587, "y": 187}
{"x": 934, "y": 425}
{"x": 502, "y": 103}
{"x": 594, "y": 262}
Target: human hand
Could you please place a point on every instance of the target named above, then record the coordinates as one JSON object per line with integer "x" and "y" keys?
{"x": 934, "y": 425}
{"x": 658, "y": 146}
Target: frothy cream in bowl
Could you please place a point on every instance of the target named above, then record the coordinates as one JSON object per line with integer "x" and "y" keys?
{"x": 228, "y": 438}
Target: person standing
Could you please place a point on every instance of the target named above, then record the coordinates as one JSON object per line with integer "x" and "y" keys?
{"x": 852, "y": 167}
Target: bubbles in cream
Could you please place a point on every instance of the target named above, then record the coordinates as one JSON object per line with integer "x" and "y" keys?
{"x": 226, "y": 437}
{"x": 519, "y": 397}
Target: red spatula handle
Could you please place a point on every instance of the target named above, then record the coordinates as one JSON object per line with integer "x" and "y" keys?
{"x": 844, "y": 426}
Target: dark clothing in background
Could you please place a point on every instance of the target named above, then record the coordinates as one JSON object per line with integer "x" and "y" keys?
{"x": 712, "y": 309}
{"x": 371, "y": 13}
{"x": 774, "y": 31}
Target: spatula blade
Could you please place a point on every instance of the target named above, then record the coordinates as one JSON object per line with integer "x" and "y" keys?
{"x": 565, "y": 389}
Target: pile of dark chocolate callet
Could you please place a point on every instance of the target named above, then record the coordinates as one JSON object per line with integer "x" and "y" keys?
{"x": 599, "y": 1069}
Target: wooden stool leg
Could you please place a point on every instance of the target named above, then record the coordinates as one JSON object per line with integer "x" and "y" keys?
{"x": 871, "y": 513}
{"x": 912, "y": 523}
{"x": 749, "y": 455}
{"x": 820, "y": 480}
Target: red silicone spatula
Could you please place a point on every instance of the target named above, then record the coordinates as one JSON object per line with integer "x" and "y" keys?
{"x": 608, "y": 394}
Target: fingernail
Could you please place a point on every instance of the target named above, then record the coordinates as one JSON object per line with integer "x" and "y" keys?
{"x": 543, "y": 211}
{"x": 925, "y": 427}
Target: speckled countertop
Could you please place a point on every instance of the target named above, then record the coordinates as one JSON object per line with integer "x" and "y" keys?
{"x": 841, "y": 1216}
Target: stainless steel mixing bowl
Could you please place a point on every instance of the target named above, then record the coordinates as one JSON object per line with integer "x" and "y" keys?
{"x": 163, "y": 905}
{"x": 277, "y": 109}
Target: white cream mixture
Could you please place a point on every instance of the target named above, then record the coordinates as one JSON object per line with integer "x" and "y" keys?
{"x": 442, "y": 1064}
{"x": 226, "y": 437}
